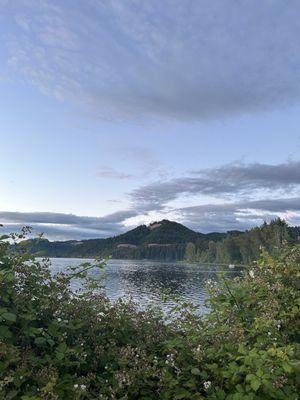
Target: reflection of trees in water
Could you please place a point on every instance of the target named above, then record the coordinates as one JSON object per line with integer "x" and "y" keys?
{"x": 188, "y": 281}
{"x": 144, "y": 281}
{"x": 160, "y": 277}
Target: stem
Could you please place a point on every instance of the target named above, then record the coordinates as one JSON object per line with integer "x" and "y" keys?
{"x": 82, "y": 271}
{"x": 232, "y": 296}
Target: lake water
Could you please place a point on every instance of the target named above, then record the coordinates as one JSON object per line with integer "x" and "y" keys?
{"x": 144, "y": 280}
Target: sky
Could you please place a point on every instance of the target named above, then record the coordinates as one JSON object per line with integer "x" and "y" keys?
{"x": 115, "y": 113}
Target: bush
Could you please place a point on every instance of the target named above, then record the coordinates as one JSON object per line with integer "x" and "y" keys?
{"x": 60, "y": 344}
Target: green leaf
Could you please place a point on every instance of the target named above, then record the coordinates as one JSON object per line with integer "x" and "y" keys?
{"x": 242, "y": 349}
{"x": 40, "y": 340}
{"x": 287, "y": 368}
{"x": 62, "y": 348}
{"x": 220, "y": 394}
{"x": 5, "y": 332}
{"x": 255, "y": 384}
{"x": 260, "y": 373}
{"x": 195, "y": 371}
{"x": 60, "y": 356}
{"x": 296, "y": 366}
{"x": 182, "y": 394}
{"x": 8, "y": 316}
{"x": 250, "y": 377}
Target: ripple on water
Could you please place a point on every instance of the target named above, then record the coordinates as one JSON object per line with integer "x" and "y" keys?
{"x": 145, "y": 280}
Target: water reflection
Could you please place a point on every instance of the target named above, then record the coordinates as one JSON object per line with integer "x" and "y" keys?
{"x": 144, "y": 280}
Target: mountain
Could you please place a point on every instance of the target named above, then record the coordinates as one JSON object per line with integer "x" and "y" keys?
{"x": 167, "y": 240}
{"x": 159, "y": 240}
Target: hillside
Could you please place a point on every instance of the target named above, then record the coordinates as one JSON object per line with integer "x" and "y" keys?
{"x": 168, "y": 240}
{"x": 160, "y": 240}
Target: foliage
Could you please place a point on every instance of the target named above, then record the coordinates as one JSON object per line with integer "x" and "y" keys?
{"x": 190, "y": 252}
{"x": 243, "y": 248}
{"x": 173, "y": 241}
{"x": 59, "y": 344}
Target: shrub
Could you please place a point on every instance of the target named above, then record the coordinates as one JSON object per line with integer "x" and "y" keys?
{"x": 59, "y": 344}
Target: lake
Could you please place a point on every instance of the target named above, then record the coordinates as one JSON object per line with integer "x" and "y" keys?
{"x": 144, "y": 280}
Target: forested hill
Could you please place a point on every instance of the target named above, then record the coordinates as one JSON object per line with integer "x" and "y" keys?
{"x": 246, "y": 247}
{"x": 160, "y": 240}
{"x": 167, "y": 240}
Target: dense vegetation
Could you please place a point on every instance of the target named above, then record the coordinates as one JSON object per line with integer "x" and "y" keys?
{"x": 166, "y": 240}
{"x": 57, "y": 344}
{"x": 243, "y": 248}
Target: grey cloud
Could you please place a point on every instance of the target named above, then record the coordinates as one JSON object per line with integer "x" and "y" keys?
{"x": 59, "y": 232}
{"x": 59, "y": 225}
{"x": 119, "y": 216}
{"x": 241, "y": 215}
{"x": 276, "y": 205}
{"x": 204, "y": 218}
{"x": 228, "y": 180}
{"x": 188, "y": 60}
{"x": 248, "y": 182}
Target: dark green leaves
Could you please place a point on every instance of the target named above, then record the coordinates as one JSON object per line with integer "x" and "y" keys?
{"x": 55, "y": 343}
{"x": 9, "y": 316}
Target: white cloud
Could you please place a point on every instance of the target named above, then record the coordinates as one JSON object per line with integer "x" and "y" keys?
{"x": 225, "y": 182}
{"x": 152, "y": 202}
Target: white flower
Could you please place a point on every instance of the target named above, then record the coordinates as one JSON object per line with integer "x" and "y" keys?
{"x": 251, "y": 273}
{"x": 76, "y": 386}
{"x": 59, "y": 319}
{"x": 269, "y": 333}
{"x": 170, "y": 359}
{"x": 278, "y": 326}
{"x": 207, "y": 385}
{"x": 83, "y": 387}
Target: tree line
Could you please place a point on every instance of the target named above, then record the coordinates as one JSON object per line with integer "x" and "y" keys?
{"x": 244, "y": 247}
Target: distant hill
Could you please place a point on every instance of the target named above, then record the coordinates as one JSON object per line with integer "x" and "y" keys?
{"x": 168, "y": 240}
{"x": 160, "y": 240}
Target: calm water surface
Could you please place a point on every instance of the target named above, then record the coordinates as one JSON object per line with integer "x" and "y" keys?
{"x": 144, "y": 280}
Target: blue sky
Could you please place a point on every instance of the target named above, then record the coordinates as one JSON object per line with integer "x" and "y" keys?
{"x": 116, "y": 113}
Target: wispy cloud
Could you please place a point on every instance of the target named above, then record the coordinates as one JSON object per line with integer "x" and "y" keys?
{"x": 67, "y": 226}
{"x": 240, "y": 215}
{"x": 227, "y": 181}
{"x": 111, "y": 173}
{"x": 224, "y": 185}
{"x": 172, "y": 59}
{"x": 242, "y": 195}
{"x": 204, "y": 218}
